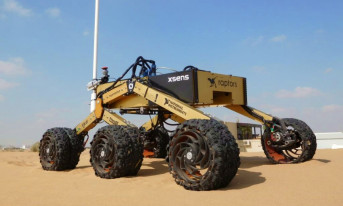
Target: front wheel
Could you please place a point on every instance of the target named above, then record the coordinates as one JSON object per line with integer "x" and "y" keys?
{"x": 55, "y": 149}
{"x": 203, "y": 155}
{"x": 298, "y": 144}
{"x": 76, "y": 147}
{"x": 116, "y": 151}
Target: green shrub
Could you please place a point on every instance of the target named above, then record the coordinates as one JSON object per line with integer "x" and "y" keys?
{"x": 35, "y": 147}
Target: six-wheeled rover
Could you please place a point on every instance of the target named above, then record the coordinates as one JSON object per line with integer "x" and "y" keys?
{"x": 201, "y": 152}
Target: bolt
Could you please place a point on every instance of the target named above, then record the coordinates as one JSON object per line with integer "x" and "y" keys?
{"x": 189, "y": 155}
{"x": 102, "y": 154}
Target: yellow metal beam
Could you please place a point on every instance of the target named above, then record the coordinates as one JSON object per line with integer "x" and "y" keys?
{"x": 130, "y": 101}
{"x": 113, "y": 118}
{"x": 177, "y": 118}
{"x": 115, "y": 94}
{"x": 170, "y": 103}
{"x": 87, "y": 124}
{"x": 99, "y": 109}
{"x": 251, "y": 113}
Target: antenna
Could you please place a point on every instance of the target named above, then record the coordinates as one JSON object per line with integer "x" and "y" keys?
{"x": 95, "y": 54}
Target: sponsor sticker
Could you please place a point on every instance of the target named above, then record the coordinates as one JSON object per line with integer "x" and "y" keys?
{"x": 178, "y": 78}
{"x": 223, "y": 83}
{"x": 174, "y": 106}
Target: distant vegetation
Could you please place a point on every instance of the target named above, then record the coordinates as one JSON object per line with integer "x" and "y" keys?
{"x": 35, "y": 147}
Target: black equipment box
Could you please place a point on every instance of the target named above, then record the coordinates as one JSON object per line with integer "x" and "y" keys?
{"x": 181, "y": 85}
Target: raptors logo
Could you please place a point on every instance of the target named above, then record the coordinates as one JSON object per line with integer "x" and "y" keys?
{"x": 213, "y": 82}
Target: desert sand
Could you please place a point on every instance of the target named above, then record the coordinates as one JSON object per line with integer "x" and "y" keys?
{"x": 316, "y": 182}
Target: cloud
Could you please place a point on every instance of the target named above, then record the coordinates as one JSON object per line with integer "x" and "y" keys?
{"x": 4, "y": 84}
{"x": 299, "y": 92}
{"x": 328, "y": 70}
{"x": 53, "y": 12}
{"x": 254, "y": 41}
{"x": 15, "y": 7}
{"x": 278, "y": 110}
{"x": 279, "y": 38}
{"x": 85, "y": 33}
{"x": 327, "y": 118}
{"x": 257, "y": 41}
{"x": 332, "y": 108}
{"x": 14, "y": 66}
{"x": 2, "y": 98}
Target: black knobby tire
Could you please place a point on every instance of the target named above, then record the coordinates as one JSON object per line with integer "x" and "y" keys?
{"x": 160, "y": 139}
{"x": 136, "y": 155}
{"x": 203, "y": 155}
{"x": 76, "y": 142}
{"x": 306, "y": 147}
{"x": 113, "y": 152}
{"x": 54, "y": 150}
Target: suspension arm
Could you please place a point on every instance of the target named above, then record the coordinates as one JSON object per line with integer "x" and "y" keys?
{"x": 252, "y": 113}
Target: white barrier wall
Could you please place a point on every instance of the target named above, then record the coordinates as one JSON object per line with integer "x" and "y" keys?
{"x": 331, "y": 140}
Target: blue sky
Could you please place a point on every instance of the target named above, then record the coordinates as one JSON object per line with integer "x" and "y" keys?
{"x": 291, "y": 53}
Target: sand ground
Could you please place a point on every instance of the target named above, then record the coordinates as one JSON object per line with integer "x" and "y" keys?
{"x": 317, "y": 182}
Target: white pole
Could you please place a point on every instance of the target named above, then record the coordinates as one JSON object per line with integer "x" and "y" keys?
{"x": 95, "y": 54}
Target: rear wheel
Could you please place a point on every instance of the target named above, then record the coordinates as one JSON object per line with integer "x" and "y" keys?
{"x": 203, "y": 155}
{"x": 54, "y": 150}
{"x": 155, "y": 143}
{"x": 136, "y": 156}
{"x": 279, "y": 148}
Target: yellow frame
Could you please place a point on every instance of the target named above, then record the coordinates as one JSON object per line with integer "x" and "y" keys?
{"x": 230, "y": 92}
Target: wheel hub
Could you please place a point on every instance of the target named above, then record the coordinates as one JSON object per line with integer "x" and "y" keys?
{"x": 48, "y": 151}
{"x": 102, "y": 153}
{"x": 286, "y": 146}
{"x": 189, "y": 155}
{"x": 277, "y": 137}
